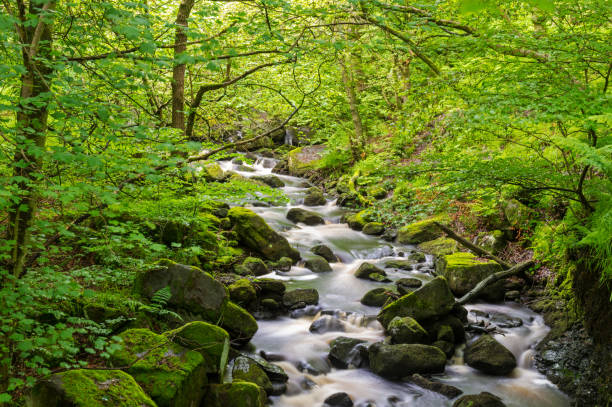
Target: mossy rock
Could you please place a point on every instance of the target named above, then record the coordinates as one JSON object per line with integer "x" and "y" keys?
{"x": 376, "y": 192}
{"x": 448, "y": 328}
{"x": 213, "y": 172}
{"x": 172, "y": 375}
{"x": 283, "y": 264}
{"x": 440, "y": 246}
{"x": 493, "y": 242}
{"x": 373, "y": 228}
{"x": 357, "y": 221}
{"x": 270, "y": 288}
{"x": 325, "y": 252}
{"x": 378, "y": 296}
{"x": 247, "y": 370}
{"x": 407, "y": 285}
{"x": 314, "y": 197}
{"x": 407, "y": 330}
{"x": 517, "y": 214}
{"x": 397, "y": 361}
{"x": 304, "y": 159}
{"x": 422, "y": 231}
{"x": 367, "y": 270}
{"x": 345, "y": 352}
{"x": 401, "y": 264}
{"x": 317, "y": 264}
{"x": 464, "y": 270}
{"x": 270, "y": 180}
{"x": 210, "y": 340}
{"x": 305, "y": 296}
{"x": 489, "y": 356}
{"x": 433, "y": 300}
{"x": 483, "y": 399}
{"x": 242, "y": 292}
{"x": 89, "y": 388}
{"x": 236, "y": 394}
{"x": 252, "y": 266}
{"x": 256, "y": 235}
{"x": 238, "y": 323}
{"x": 299, "y": 215}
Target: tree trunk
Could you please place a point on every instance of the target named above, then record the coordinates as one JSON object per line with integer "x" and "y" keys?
{"x": 178, "y": 72}
{"x": 357, "y": 142}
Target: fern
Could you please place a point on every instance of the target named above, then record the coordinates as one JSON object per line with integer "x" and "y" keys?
{"x": 161, "y": 297}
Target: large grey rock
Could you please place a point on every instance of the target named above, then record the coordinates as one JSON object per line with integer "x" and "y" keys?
{"x": 245, "y": 369}
{"x": 327, "y": 323}
{"x": 301, "y": 296}
{"x": 345, "y": 352}
{"x": 490, "y": 356}
{"x": 317, "y": 264}
{"x": 314, "y": 197}
{"x": 397, "y": 361}
{"x": 299, "y": 215}
{"x": 325, "y": 252}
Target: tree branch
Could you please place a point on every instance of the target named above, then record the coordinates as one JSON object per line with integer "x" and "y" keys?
{"x": 519, "y": 268}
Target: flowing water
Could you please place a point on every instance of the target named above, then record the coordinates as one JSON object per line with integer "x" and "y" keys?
{"x": 303, "y": 354}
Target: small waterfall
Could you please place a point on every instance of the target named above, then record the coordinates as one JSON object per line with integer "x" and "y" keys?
{"x": 289, "y": 136}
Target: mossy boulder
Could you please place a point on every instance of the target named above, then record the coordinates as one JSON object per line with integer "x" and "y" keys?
{"x": 236, "y": 394}
{"x": 238, "y": 323}
{"x": 314, "y": 197}
{"x": 489, "y": 356}
{"x": 433, "y": 300}
{"x": 270, "y": 180}
{"x": 422, "y": 231}
{"x": 358, "y": 220}
{"x": 517, "y": 214}
{"x": 252, "y": 266}
{"x": 406, "y": 330}
{"x": 493, "y": 242}
{"x": 299, "y": 215}
{"x": 373, "y": 228}
{"x": 247, "y": 370}
{"x": 270, "y": 288}
{"x": 193, "y": 291}
{"x": 440, "y": 246}
{"x": 256, "y": 235}
{"x": 407, "y": 285}
{"x": 345, "y": 352}
{"x": 325, "y": 252}
{"x": 317, "y": 264}
{"x": 448, "y": 328}
{"x": 283, "y": 264}
{"x": 483, "y": 399}
{"x": 376, "y": 192}
{"x": 213, "y": 172}
{"x": 301, "y": 297}
{"x": 368, "y": 270}
{"x": 210, "y": 340}
{"x": 89, "y": 388}
{"x": 464, "y": 270}
{"x": 397, "y": 361}
{"x": 242, "y": 292}
{"x": 379, "y": 296}
{"x": 172, "y": 375}
{"x": 304, "y": 159}
{"x": 401, "y": 264}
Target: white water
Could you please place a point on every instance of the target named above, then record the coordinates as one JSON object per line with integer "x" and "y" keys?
{"x": 340, "y": 290}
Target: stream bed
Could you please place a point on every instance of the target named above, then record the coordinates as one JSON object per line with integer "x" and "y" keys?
{"x": 303, "y": 354}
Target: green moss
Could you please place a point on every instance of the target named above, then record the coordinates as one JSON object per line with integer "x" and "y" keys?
{"x": 440, "y": 246}
{"x": 237, "y": 394}
{"x": 210, "y": 340}
{"x": 238, "y": 322}
{"x": 213, "y": 172}
{"x": 89, "y": 388}
{"x": 373, "y": 228}
{"x": 464, "y": 270}
{"x": 170, "y": 374}
{"x": 242, "y": 292}
{"x": 422, "y": 231}
{"x": 247, "y": 370}
{"x": 304, "y": 159}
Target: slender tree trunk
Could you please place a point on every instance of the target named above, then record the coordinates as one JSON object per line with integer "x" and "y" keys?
{"x": 178, "y": 72}
{"x": 357, "y": 143}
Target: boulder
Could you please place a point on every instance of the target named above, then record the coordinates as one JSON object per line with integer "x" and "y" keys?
{"x": 378, "y": 296}
{"x": 448, "y": 328}
{"x": 401, "y": 264}
{"x": 407, "y": 285}
{"x": 270, "y": 288}
{"x": 210, "y": 340}
{"x": 317, "y": 264}
{"x": 517, "y": 214}
{"x": 301, "y": 296}
{"x": 304, "y": 159}
{"x": 270, "y": 180}
{"x": 193, "y": 291}
{"x": 358, "y": 220}
{"x": 327, "y": 323}
{"x": 367, "y": 270}
{"x": 88, "y": 388}
{"x": 252, "y": 266}
{"x": 417, "y": 257}
{"x": 338, "y": 400}
{"x": 213, "y": 172}
{"x": 489, "y": 356}
{"x": 464, "y": 270}
{"x": 397, "y": 361}
{"x": 447, "y": 347}
{"x": 325, "y": 252}
{"x": 348, "y": 200}
{"x": 406, "y": 330}
{"x": 237, "y": 394}
{"x": 314, "y": 197}
{"x": 345, "y": 352}
{"x": 433, "y": 300}
{"x": 440, "y": 246}
{"x": 389, "y": 234}
{"x": 299, "y": 215}
{"x": 283, "y": 264}
{"x": 247, "y": 370}
{"x": 240, "y": 325}
{"x": 493, "y": 242}
{"x": 483, "y": 399}
{"x": 373, "y": 228}
{"x": 419, "y": 232}
{"x": 172, "y": 375}
{"x": 242, "y": 292}
{"x": 255, "y": 234}
{"x": 446, "y": 390}
{"x": 376, "y": 192}
{"x": 274, "y": 372}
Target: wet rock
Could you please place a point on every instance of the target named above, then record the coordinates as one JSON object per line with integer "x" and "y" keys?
{"x": 301, "y": 297}
{"x": 338, "y": 400}
{"x": 270, "y": 288}
{"x": 483, "y": 399}
{"x": 460, "y": 312}
{"x": 254, "y": 233}
{"x": 274, "y": 372}
{"x": 396, "y": 361}
{"x": 317, "y": 264}
{"x": 314, "y": 366}
{"x": 213, "y": 172}
{"x": 513, "y": 295}
{"x": 400, "y": 264}
{"x": 314, "y": 197}
{"x": 270, "y": 180}
{"x": 252, "y": 266}
{"x": 243, "y": 394}
{"x": 327, "y": 323}
{"x": 499, "y": 319}
{"x": 304, "y": 159}
{"x": 448, "y": 328}
{"x": 433, "y": 300}
{"x": 299, "y": 215}
{"x": 325, "y": 252}
{"x": 378, "y": 296}
{"x": 269, "y": 304}
{"x": 358, "y": 220}
{"x": 446, "y": 390}
{"x": 77, "y": 388}
{"x": 278, "y": 388}
{"x": 447, "y": 347}
{"x": 247, "y": 370}
{"x": 380, "y": 278}
{"x": 464, "y": 270}
{"x": 373, "y": 228}
{"x": 345, "y": 352}
{"x": 238, "y": 323}
{"x": 283, "y": 264}
{"x": 309, "y": 310}
{"x": 348, "y": 201}
{"x": 367, "y": 270}
{"x": 406, "y": 330}
{"x": 407, "y": 285}
{"x": 389, "y": 235}
{"x": 490, "y": 356}
{"x": 419, "y": 232}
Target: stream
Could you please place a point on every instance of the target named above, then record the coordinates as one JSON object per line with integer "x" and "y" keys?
{"x": 303, "y": 354}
